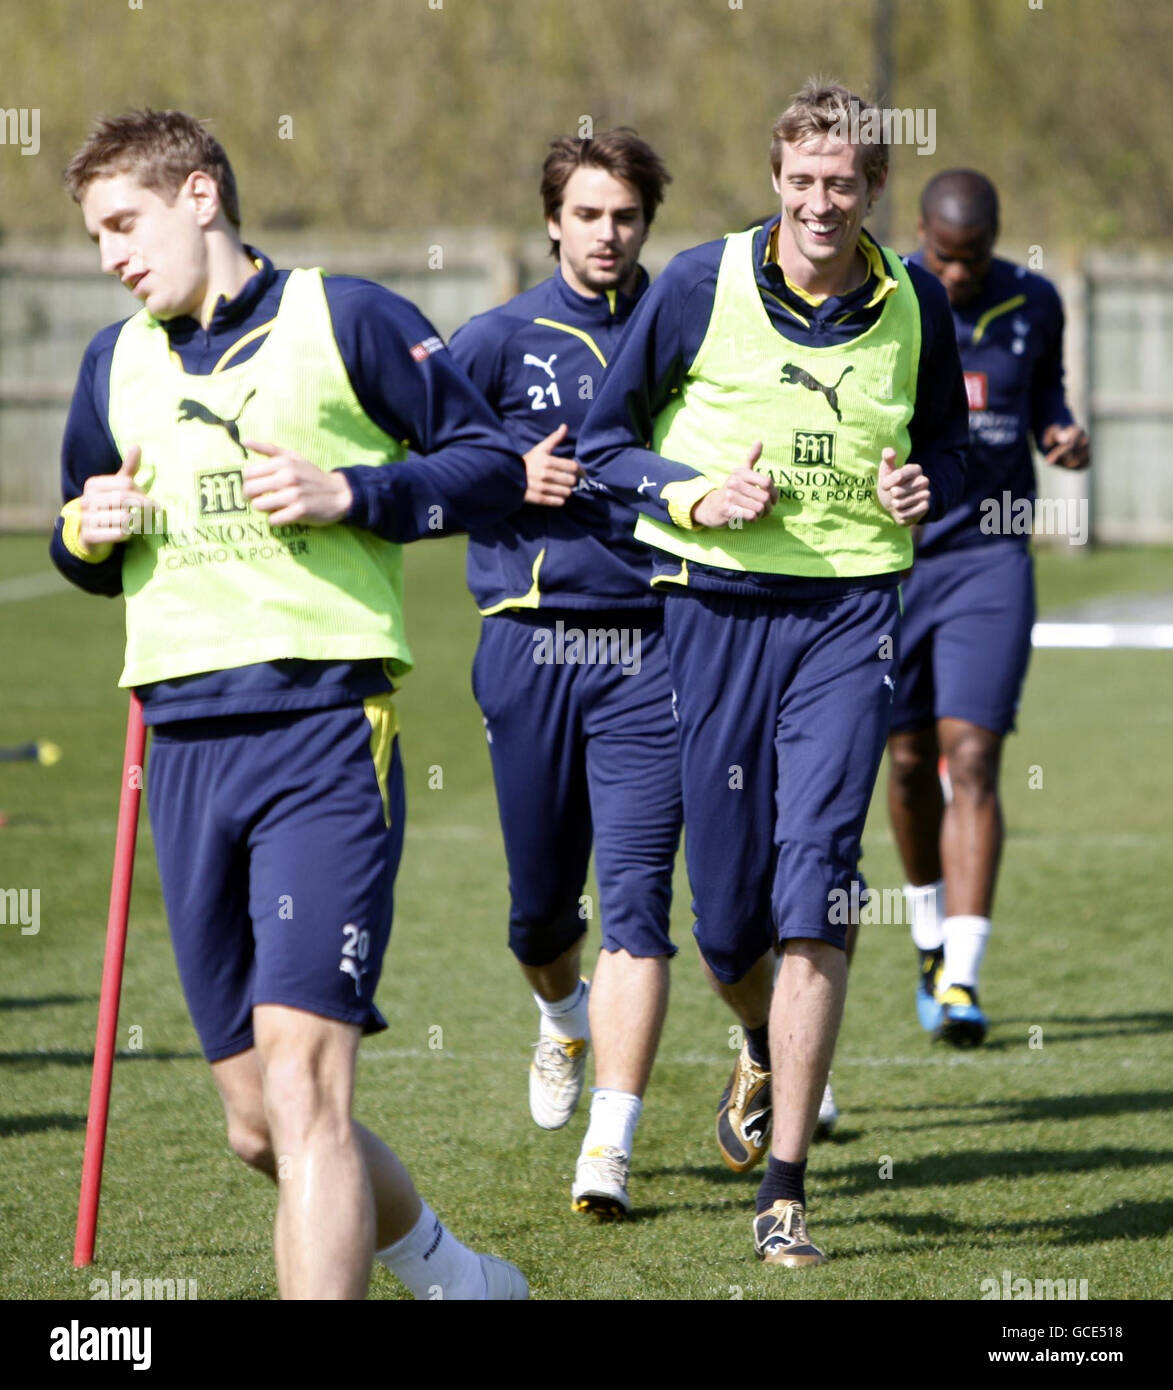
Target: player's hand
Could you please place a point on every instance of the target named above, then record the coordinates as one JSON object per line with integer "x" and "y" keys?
{"x": 549, "y": 480}
{"x": 745, "y": 494}
{"x": 1066, "y": 446}
{"x": 904, "y": 492}
{"x": 290, "y": 488}
{"x": 112, "y": 508}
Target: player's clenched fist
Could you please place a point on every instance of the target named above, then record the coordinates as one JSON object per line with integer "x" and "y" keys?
{"x": 549, "y": 480}
{"x": 112, "y": 508}
{"x": 904, "y": 492}
{"x": 1066, "y": 446}
{"x": 745, "y": 495}
{"x": 290, "y": 488}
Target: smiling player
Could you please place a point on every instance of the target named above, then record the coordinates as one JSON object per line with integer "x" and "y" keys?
{"x": 801, "y": 395}
{"x": 580, "y": 752}
{"x": 969, "y": 605}
{"x": 236, "y": 465}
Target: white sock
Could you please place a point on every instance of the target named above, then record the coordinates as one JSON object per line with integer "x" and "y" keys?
{"x": 965, "y": 945}
{"x": 433, "y": 1263}
{"x": 566, "y": 1018}
{"x": 614, "y": 1116}
{"x": 926, "y": 910}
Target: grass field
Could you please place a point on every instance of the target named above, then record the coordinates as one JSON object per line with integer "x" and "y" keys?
{"x": 1045, "y": 1161}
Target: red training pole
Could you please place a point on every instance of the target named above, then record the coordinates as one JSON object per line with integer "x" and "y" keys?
{"x": 128, "y": 804}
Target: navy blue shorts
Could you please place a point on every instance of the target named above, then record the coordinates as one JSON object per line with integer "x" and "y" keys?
{"x": 965, "y": 647}
{"x": 784, "y": 710}
{"x": 583, "y": 744}
{"x": 278, "y": 838}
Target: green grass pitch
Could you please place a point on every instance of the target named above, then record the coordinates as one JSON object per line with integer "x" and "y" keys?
{"x": 1044, "y": 1161}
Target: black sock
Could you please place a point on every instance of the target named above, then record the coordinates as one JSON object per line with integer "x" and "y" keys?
{"x": 758, "y": 1041}
{"x": 782, "y": 1182}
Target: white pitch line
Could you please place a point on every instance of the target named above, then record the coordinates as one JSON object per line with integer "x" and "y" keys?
{"x": 32, "y": 586}
{"x": 715, "y": 1059}
{"x": 1100, "y": 635}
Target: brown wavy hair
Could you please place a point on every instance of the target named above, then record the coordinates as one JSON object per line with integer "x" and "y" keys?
{"x": 620, "y": 152}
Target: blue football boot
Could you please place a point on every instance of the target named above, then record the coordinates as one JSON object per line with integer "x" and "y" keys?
{"x": 962, "y": 1022}
{"x": 928, "y": 1010}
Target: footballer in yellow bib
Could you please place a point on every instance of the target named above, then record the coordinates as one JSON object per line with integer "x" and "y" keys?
{"x": 243, "y": 461}
{"x": 787, "y": 402}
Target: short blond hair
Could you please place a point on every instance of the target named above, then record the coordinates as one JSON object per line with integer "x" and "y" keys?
{"x": 821, "y": 108}
{"x": 161, "y": 149}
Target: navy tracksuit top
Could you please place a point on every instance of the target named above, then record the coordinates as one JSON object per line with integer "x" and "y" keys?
{"x": 539, "y": 360}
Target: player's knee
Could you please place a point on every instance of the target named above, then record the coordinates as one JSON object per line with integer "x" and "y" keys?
{"x": 541, "y": 937}
{"x": 973, "y": 769}
{"x": 727, "y": 964}
{"x": 302, "y": 1100}
{"x": 912, "y": 767}
{"x": 814, "y": 954}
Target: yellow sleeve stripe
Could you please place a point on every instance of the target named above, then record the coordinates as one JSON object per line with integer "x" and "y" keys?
{"x": 577, "y": 333}
{"x": 681, "y": 497}
{"x": 250, "y": 337}
{"x": 71, "y": 536}
{"x": 996, "y": 312}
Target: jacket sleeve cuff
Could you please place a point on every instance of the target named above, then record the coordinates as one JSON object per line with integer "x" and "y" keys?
{"x": 682, "y": 497}
{"x": 71, "y": 536}
{"x": 360, "y": 511}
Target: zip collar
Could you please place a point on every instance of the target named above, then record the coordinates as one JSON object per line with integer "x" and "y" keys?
{"x": 612, "y": 306}
{"x": 811, "y": 308}
{"x": 1003, "y": 289}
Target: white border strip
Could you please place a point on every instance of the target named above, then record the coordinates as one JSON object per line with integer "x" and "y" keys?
{"x": 33, "y": 586}
{"x": 1150, "y": 635}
